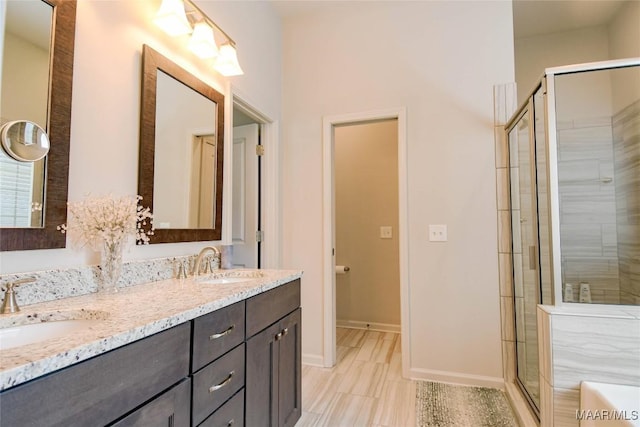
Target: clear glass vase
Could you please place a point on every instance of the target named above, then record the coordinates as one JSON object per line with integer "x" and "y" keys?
{"x": 111, "y": 265}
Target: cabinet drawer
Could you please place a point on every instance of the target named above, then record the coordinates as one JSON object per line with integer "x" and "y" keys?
{"x": 103, "y": 388}
{"x": 171, "y": 408}
{"x": 216, "y": 333}
{"x": 270, "y": 306}
{"x": 231, "y": 414}
{"x": 216, "y": 383}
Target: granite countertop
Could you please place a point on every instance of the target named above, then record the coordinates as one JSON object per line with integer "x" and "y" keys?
{"x": 124, "y": 317}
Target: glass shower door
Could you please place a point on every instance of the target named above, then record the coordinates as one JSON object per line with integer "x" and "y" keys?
{"x": 524, "y": 225}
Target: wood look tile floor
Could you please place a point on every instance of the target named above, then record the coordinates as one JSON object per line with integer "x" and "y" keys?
{"x": 365, "y": 388}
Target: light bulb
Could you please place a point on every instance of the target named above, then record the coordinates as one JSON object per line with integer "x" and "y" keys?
{"x": 202, "y": 42}
{"x": 172, "y": 18}
{"x": 227, "y": 61}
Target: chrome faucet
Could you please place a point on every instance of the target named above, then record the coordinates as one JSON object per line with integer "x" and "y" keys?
{"x": 198, "y": 264}
{"x": 10, "y": 305}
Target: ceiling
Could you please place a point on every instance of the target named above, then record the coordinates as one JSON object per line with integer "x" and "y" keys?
{"x": 531, "y": 17}
{"x": 536, "y": 17}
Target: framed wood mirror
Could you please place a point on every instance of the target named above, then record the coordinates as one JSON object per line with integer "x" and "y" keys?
{"x": 58, "y": 126}
{"x": 181, "y": 152}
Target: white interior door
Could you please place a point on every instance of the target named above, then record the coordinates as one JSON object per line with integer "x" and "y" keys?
{"x": 245, "y": 196}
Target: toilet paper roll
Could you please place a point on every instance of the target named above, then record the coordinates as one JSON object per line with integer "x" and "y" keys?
{"x": 342, "y": 269}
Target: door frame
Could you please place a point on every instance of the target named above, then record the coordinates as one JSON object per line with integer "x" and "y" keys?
{"x": 329, "y": 239}
{"x": 270, "y": 254}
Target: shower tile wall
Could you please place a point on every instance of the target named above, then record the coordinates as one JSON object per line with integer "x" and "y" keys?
{"x": 578, "y": 343}
{"x": 626, "y": 144}
{"x": 587, "y": 186}
{"x": 503, "y": 109}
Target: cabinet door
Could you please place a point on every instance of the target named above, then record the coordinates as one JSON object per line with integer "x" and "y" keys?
{"x": 261, "y": 386}
{"x": 273, "y": 376}
{"x": 290, "y": 360}
{"x": 172, "y": 408}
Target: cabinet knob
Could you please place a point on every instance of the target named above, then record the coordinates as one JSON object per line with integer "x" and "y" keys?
{"x": 281, "y": 334}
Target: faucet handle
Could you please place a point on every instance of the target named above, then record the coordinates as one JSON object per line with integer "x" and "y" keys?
{"x": 181, "y": 274}
{"x": 21, "y": 282}
{"x": 9, "y": 305}
{"x": 11, "y": 285}
{"x": 207, "y": 265}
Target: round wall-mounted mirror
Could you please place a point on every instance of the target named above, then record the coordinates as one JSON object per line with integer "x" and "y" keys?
{"x": 25, "y": 141}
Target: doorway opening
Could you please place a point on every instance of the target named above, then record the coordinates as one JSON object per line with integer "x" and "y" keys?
{"x": 251, "y": 130}
{"x": 366, "y": 225}
{"x": 354, "y": 177}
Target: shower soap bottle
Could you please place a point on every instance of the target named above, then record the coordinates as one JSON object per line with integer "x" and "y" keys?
{"x": 568, "y": 292}
{"x": 585, "y": 292}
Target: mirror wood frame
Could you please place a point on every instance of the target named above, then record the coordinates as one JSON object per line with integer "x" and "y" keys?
{"x": 153, "y": 61}
{"x": 59, "y": 131}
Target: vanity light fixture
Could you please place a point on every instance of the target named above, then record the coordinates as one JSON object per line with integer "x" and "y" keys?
{"x": 227, "y": 61}
{"x": 172, "y": 17}
{"x": 202, "y": 42}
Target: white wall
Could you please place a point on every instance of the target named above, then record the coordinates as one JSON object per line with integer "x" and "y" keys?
{"x": 106, "y": 101}
{"x": 624, "y": 42}
{"x": 440, "y": 60}
{"x": 620, "y": 38}
{"x": 534, "y": 54}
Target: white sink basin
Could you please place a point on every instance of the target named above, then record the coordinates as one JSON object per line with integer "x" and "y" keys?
{"x": 609, "y": 405}
{"x": 228, "y": 278}
{"x": 17, "y": 336}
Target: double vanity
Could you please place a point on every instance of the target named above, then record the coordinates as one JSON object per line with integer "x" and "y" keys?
{"x": 216, "y": 350}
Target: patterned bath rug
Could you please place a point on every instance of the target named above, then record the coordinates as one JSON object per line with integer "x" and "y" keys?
{"x": 446, "y": 405}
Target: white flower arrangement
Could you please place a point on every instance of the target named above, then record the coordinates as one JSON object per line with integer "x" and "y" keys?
{"x": 99, "y": 220}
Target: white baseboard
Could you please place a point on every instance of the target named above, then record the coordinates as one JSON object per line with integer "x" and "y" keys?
{"x": 372, "y": 326}
{"x": 456, "y": 378}
{"x": 313, "y": 360}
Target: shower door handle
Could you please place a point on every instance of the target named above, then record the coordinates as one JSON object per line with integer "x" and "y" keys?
{"x": 533, "y": 262}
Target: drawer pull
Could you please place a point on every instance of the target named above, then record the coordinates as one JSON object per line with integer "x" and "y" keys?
{"x": 222, "y": 384}
{"x": 230, "y": 423}
{"x": 278, "y": 336}
{"x": 223, "y": 333}
{"x": 285, "y": 331}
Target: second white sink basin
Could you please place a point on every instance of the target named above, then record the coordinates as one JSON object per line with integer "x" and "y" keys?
{"x": 225, "y": 280}
{"x": 238, "y": 276}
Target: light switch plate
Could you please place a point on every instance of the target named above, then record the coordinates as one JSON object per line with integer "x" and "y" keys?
{"x": 437, "y": 233}
{"x": 386, "y": 232}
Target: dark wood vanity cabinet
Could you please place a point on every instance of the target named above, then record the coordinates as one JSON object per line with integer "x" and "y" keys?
{"x": 273, "y": 367}
{"x": 239, "y": 365}
{"x": 100, "y": 390}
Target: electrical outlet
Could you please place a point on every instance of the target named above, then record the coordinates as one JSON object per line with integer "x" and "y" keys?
{"x": 386, "y": 232}
{"x": 437, "y": 233}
